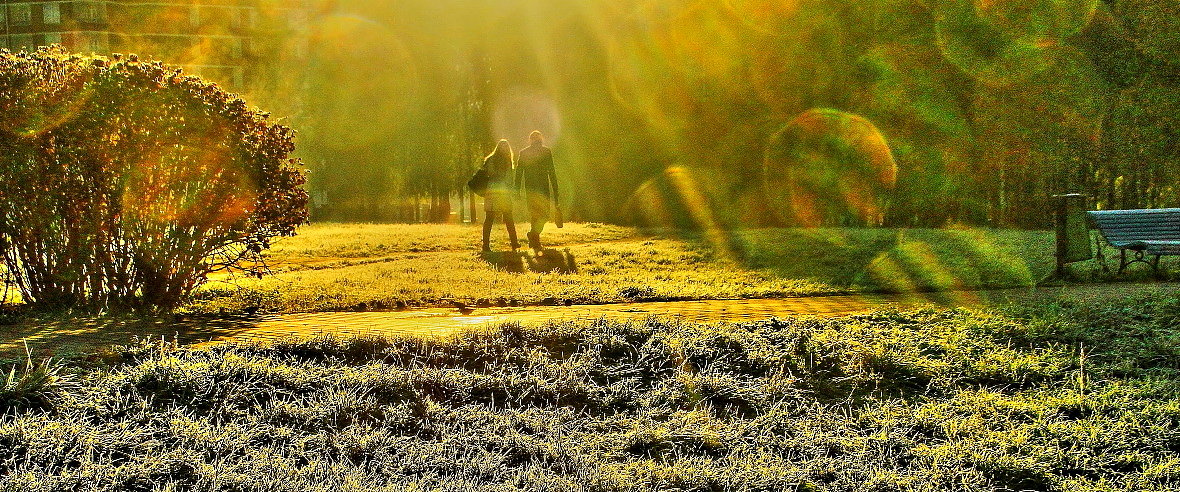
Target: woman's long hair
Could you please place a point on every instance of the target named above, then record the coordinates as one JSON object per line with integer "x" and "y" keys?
{"x": 500, "y": 160}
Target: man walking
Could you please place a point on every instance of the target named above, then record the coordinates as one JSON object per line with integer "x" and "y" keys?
{"x": 536, "y": 176}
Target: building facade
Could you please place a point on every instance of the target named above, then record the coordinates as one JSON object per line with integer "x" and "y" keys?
{"x": 232, "y": 42}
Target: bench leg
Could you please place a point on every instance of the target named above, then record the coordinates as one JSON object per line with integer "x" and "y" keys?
{"x": 1155, "y": 264}
{"x": 1101, "y": 256}
{"x": 1122, "y": 261}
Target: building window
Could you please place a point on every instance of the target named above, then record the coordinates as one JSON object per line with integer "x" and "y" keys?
{"x": 51, "y": 13}
{"x": 53, "y": 38}
{"x": 22, "y": 14}
{"x": 23, "y": 42}
{"x": 91, "y": 11}
{"x": 194, "y": 16}
{"x": 297, "y": 18}
{"x": 300, "y": 48}
{"x": 95, "y": 43}
{"x": 3, "y": 15}
{"x": 235, "y": 47}
{"x": 238, "y": 78}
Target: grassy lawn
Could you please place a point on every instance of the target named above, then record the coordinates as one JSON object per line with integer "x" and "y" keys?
{"x": 1061, "y": 396}
{"x": 344, "y": 267}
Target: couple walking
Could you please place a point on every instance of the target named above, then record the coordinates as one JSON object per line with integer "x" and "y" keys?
{"x": 531, "y": 172}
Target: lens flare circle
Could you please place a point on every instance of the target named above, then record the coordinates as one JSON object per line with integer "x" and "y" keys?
{"x": 1155, "y": 25}
{"x": 764, "y": 16}
{"x": 1037, "y": 19}
{"x": 658, "y": 61}
{"x": 1004, "y": 42}
{"x": 1067, "y": 102}
{"x": 520, "y": 110}
{"x": 908, "y": 87}
{"x": 685, "y": 198}
{"x": 829, "y": 167}
{"x": 641, "y": 81}
{"x": 49, "y": 106}
{"x": 366, "y": 74}
{"x": 986, "y": 53}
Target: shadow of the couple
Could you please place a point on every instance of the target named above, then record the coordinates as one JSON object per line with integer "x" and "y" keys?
{"x": 549, "y": 261}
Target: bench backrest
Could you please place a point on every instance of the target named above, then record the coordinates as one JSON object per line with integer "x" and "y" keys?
{"x": 1160, "y": 224}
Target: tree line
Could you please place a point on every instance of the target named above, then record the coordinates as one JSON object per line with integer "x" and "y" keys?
{"x": 746, "y": 112}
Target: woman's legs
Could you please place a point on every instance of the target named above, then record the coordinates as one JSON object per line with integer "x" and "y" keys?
{"x": 511, "y": 225}
{"x": 488, "y": 217}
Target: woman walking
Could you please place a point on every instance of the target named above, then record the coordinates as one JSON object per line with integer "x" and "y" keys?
{"x": 498, "y": 199}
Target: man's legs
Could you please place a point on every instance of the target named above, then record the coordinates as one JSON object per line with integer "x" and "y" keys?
{"x": 538, "y": 225}
{"x": 538, "y": 215}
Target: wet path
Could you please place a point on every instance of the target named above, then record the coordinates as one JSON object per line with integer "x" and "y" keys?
{"x": 82, "y": 335}
{"x": 440, "y": 322}
{"x": 446, "y": 321}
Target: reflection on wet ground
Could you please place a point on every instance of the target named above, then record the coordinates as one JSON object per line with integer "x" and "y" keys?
{"x": 84, "y": 335}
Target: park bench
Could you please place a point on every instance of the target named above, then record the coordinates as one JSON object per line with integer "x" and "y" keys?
{"x": 1146, "y": 233}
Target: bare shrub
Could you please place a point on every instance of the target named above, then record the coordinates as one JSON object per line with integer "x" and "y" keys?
{"x": 126, "y": 183}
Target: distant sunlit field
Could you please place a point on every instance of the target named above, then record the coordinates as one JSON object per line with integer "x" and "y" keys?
{"x": 366, "y": 266}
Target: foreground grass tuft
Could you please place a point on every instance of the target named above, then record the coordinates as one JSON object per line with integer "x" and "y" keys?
{"x": 31, "y": 384}
{"x": 1061, "y": 397}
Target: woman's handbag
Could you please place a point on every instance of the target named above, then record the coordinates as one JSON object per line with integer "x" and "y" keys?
{"x": 478, "y": 183}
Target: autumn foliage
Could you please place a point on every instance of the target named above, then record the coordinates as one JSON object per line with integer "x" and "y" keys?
{"x": 126, "y": 183}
